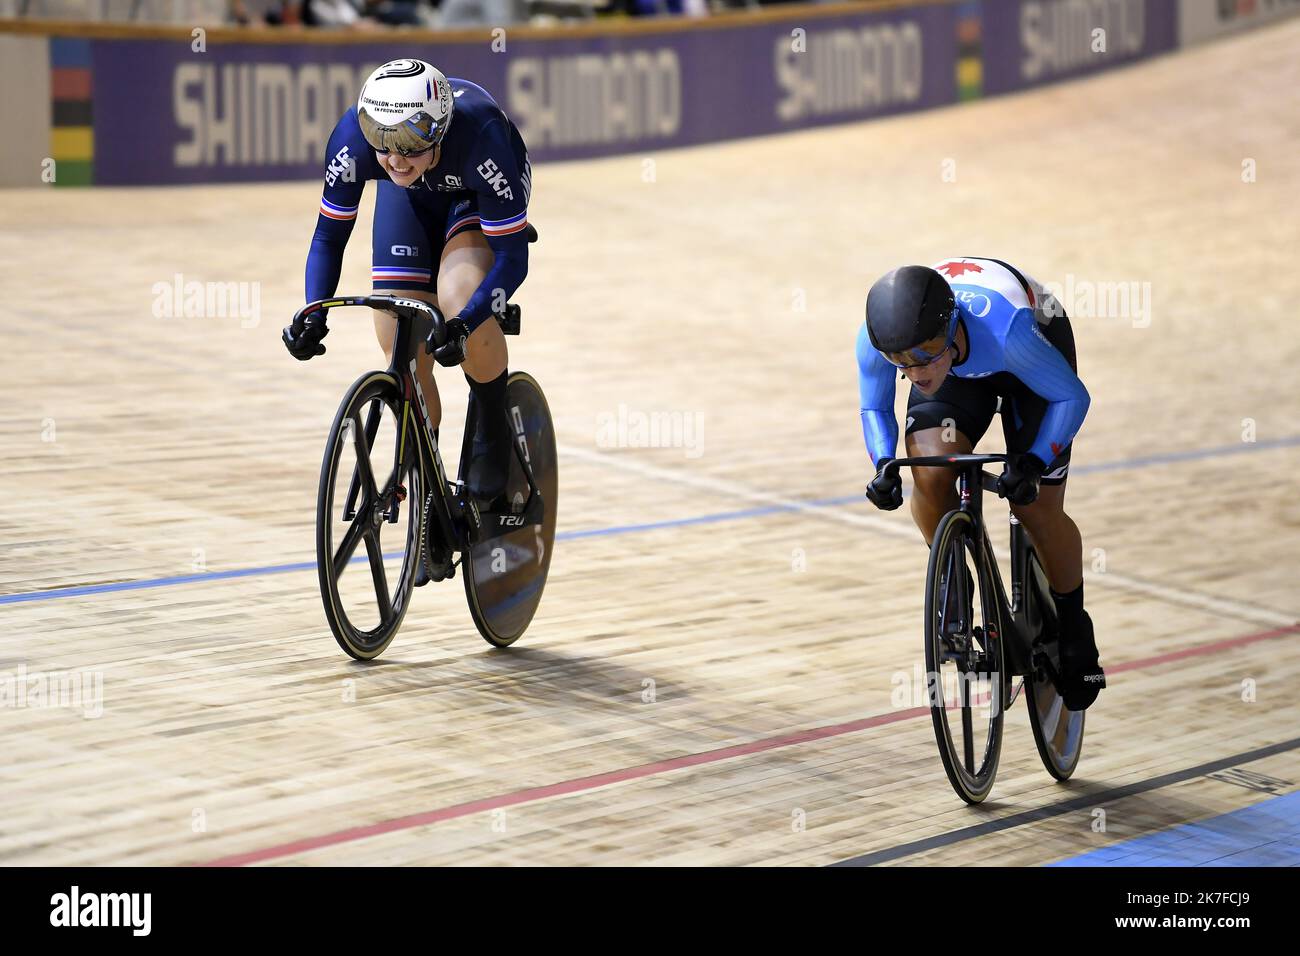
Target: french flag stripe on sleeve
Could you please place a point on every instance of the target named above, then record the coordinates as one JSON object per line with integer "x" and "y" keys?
{"x": 331, "y": 211}
{"x": 504, "y": 227}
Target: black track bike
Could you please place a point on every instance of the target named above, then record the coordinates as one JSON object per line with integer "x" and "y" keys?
{"x": 977, "y": 641}
{"x": 383, "y": 469}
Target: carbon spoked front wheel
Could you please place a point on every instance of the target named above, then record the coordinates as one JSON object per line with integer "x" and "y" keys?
{"x": 1058, "y": 731}
{"x": 966, "y": 683}
{"x": 505, "y": 575}
{"x": 366, "y": 501}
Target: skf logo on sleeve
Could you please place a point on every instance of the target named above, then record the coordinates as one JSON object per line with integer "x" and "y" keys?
{"x": 496, "y": 179}
{"x": 340, "y": 166}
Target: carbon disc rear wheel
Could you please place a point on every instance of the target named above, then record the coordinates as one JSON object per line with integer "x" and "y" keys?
{"x": 1058, "y": 731}
{"x": 505, "y": 575}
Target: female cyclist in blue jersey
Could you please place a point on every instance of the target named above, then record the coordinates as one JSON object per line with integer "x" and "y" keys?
{"x": 451, "y": 228}
{"x": 976, "y": 336}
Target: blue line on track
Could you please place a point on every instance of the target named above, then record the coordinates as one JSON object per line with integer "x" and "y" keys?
{"x": 1265, "y": 834}
{"x": 1145, "y": 461}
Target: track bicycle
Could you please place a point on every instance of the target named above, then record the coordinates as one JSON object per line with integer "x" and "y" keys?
{"x": 977, "y": 641}
{"x": 383, "y": 467}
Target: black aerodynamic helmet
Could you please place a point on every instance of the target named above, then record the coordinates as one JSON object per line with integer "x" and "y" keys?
{"x": 908, "y": 306}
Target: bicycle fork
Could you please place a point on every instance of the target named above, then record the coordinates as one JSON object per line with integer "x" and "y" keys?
{"x": 374, "y": 415}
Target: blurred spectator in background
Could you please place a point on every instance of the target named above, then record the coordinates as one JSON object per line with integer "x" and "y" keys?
{"x": 257, "y": 13}
{"x": 671, "y": 8}
{"x": 335, "y": 13}
{"x": 396, "y": 12}
{"x": 461, "y": 13}
{"x": 691, "y": 8}
{"x": 345, "y": 14}
{"x": 364, "y": 14}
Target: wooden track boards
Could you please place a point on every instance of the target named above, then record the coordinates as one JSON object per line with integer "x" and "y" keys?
{"x": 727, "y": 291}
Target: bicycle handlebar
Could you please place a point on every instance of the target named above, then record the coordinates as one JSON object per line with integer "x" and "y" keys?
{"x": 399, "y": 306}
{"x": 950, "y": 461}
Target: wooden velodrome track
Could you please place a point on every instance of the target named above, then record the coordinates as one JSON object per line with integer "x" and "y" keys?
{"x": 715, "y": 688}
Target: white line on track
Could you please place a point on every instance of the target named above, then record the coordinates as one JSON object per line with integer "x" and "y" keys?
{"x": 1162, "y": 592}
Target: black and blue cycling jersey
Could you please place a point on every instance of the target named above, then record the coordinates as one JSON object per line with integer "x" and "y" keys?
{"x": 482, "y": 181}
{"x": 1004, "y": 313}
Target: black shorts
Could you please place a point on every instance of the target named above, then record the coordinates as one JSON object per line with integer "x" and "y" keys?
{"x": 970, "y": 404}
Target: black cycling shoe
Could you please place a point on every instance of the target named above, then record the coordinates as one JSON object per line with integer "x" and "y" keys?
{"x": 489, "y": 468}
{"x": 1081, "y": 678}
{"x": 494, "y": 506}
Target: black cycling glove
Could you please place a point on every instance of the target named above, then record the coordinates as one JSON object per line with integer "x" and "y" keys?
{"x": 1018, "y": 482}
{"x": 885, "y": 491}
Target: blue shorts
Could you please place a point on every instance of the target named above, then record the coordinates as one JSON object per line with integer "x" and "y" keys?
{"x": 411, "y": 229}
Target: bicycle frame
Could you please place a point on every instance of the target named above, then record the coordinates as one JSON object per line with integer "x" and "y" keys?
{"x": 1023, "y": 630}
{"x": 1027, "y": 621}
{"x": 408, "y": 339}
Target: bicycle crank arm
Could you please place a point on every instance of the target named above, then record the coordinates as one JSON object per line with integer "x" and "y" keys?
{"x": 1015, "y": 692}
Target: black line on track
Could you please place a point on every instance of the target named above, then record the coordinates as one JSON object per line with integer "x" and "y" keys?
{"x": 1065, "y": 806}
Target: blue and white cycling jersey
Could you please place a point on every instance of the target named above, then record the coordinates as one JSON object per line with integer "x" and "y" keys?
{"x": 1000, "y": 317}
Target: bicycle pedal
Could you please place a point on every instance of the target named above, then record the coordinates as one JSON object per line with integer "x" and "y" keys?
{"x": 428, "y": 571}
{"x": 393, "y": 511}
{"x": 955, "y": 647}
{"x": 1043, "y": 665}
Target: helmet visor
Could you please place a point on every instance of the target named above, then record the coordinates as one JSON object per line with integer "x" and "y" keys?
{"x": 417, "y": 134}
{"x": 918, "y": 356}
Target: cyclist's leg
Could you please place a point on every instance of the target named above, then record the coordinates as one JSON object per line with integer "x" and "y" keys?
{"x": 934, "y": 492}
{"x": 464, "y": 264}
{"x": 402, "y": 256}
{"x": 466, "y": 260}
{"x": 949, "y": 422}
{"x": 1055, "y": 536}
{"x": 1060, "y": 549}
{"x": 386, "y": 328}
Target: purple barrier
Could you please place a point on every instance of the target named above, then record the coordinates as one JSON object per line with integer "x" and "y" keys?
{"x": 240, "y": 112}
{"x": 1028, "y": 42}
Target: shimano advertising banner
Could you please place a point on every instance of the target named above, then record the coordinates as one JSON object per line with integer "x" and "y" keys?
{"x": 142, "y": 111}
{"x": 1028, "y": 42}
{"x": 1200, "y": 20}
{"x": 240, "y": 112}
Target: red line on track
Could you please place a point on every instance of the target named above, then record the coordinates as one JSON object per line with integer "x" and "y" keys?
{"x": 583, "y": 784}
{"x": 1223, "y": 645}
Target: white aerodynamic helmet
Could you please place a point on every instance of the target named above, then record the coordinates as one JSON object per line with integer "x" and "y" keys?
{"x": 405, "y": 106}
